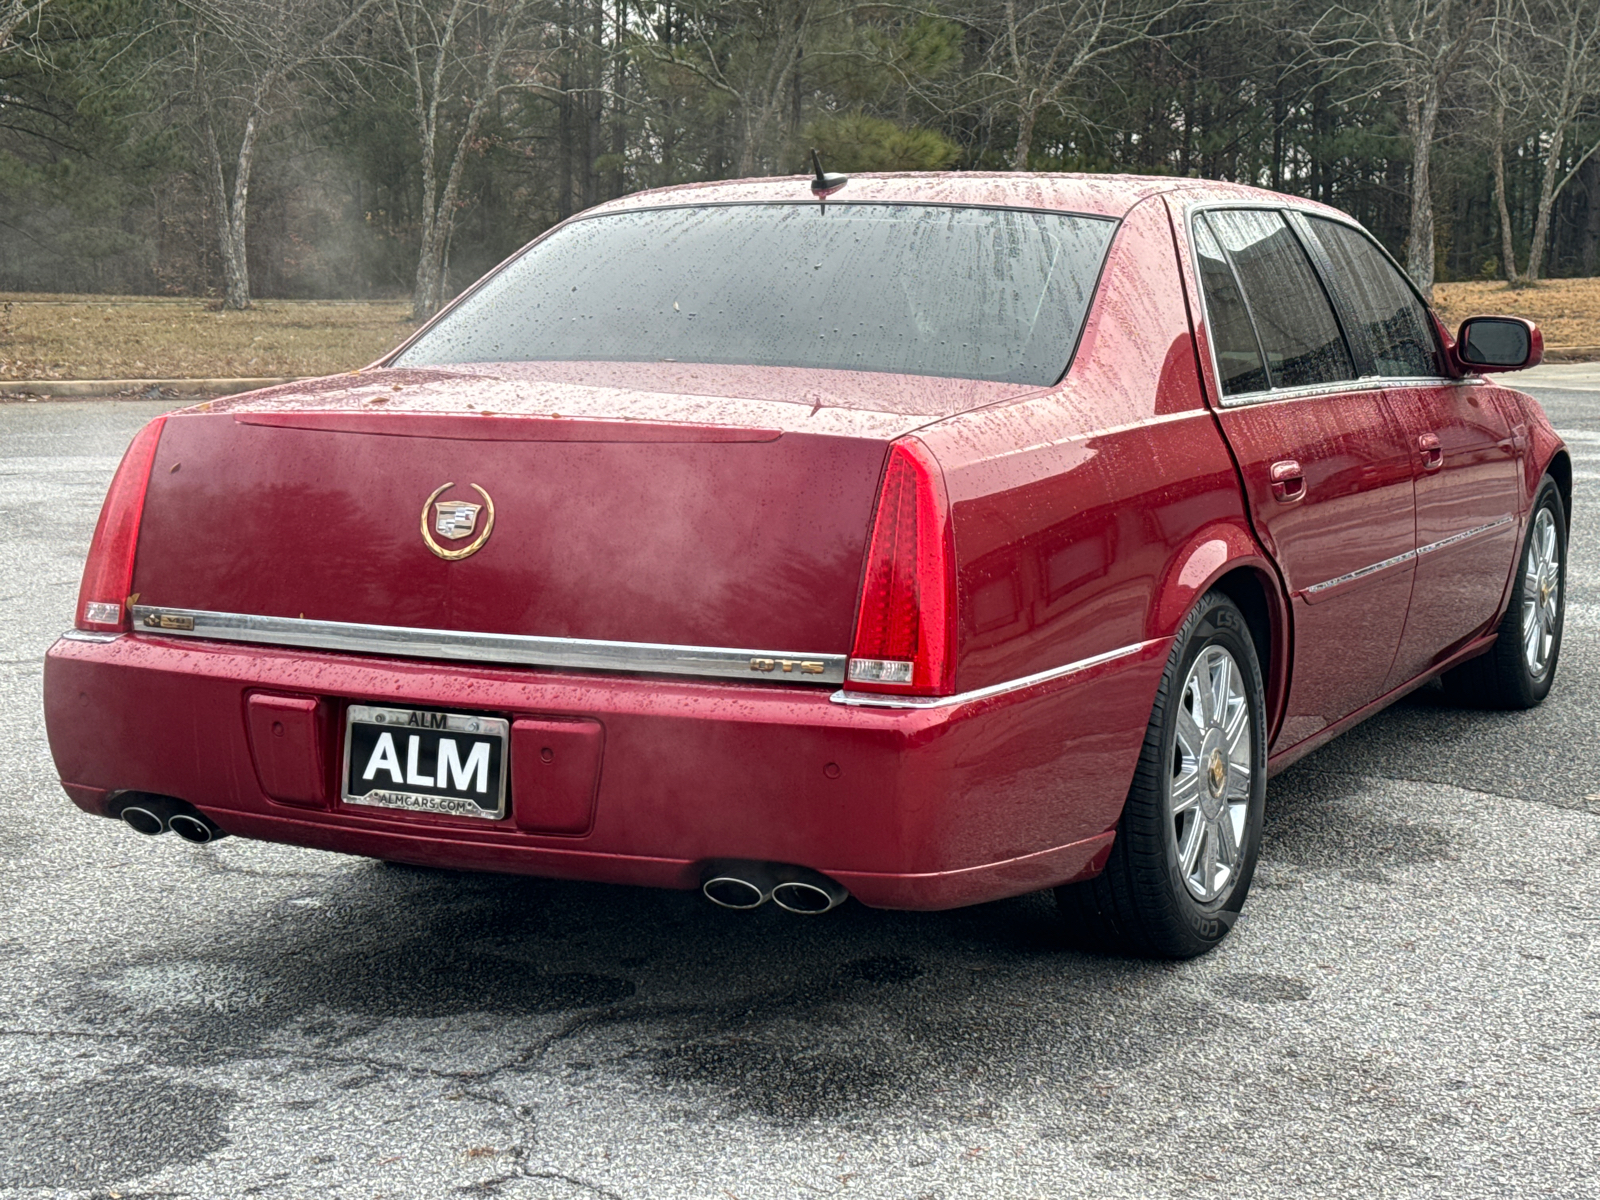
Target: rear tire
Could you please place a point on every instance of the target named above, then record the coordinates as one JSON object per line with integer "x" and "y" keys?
{"x": 1190, "y": 832}
{"x": 1519, "y": 668}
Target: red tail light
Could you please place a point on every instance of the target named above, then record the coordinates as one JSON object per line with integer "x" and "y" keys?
{"x": 905, "y": 626}
{"x": 108, "y": 575}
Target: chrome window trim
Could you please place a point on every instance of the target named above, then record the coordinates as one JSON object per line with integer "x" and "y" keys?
{"x": 1366, "y": 383}
{"x": 1409, "y": 555}
{"x": 875, "y": 700}
{"x": 524, "y": 650}
{"x": 1312, "y": 391}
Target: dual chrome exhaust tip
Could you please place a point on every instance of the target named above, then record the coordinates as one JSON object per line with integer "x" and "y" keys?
{"x": 793, "y": 889}
{"x": 153, "y": 815}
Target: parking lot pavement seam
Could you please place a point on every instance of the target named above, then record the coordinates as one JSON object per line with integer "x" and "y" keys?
{"x": 1423, "y": 781}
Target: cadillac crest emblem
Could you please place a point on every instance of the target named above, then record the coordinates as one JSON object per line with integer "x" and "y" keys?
{"x": 454, "y": 520}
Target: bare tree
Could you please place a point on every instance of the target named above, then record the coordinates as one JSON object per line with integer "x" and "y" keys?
{"x": 13, "y": 13}
{"x": 1494, "y": 78}
{"x": 1416, "y": 48}
{"x": 1040, "y": 50}
{"x": 455, "y": 54}
{"x": 235, "y": 63}
{"x": 750, "y": 51}
{"x": 1545, "y": 62}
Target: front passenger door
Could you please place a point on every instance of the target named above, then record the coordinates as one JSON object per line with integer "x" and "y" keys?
{"x": 1464, "y": 455}
{"x": 1326, "y": 464}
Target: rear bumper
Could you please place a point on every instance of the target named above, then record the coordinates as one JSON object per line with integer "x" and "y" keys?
{"x": 914, "y": 809}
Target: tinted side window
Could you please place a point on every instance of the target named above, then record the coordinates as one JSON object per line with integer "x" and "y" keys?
{"x": 1385, "y": 312}
{"x": 1233, "y": 340}
{"x": 1298, "y": 331}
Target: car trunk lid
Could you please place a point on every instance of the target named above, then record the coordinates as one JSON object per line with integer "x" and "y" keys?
{"x": 721, "y": 521}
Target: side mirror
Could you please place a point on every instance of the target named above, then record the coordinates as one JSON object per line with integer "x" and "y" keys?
{"x": 1499, "y": 344}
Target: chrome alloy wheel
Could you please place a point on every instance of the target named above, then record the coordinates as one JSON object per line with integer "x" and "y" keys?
{"x": 1541, "y": 594}
{"x": 1211, "y": 774}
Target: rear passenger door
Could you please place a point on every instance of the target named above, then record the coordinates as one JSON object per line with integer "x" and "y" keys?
{"x": 1464, "y": 455}
{"x": 1326, "y": 463}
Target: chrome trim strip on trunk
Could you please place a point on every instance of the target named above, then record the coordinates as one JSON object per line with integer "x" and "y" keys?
{"x": 1452, "y": 540}
{"x": 581, "y": 654}
{"x": 874, "y": 700}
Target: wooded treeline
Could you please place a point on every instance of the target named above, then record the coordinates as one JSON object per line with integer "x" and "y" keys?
{"x": 352, "y": 148}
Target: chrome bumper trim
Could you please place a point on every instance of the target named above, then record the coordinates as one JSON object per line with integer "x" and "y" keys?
{"x": 874, "y": 700}
{"x": 88, "y": 635}
{"x": 580, "y": 654}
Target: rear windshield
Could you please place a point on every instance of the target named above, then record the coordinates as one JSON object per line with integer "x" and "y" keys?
{"x": 972, "y": 293}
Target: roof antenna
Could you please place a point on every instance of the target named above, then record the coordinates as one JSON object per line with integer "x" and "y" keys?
{"x": 827, "y": 182}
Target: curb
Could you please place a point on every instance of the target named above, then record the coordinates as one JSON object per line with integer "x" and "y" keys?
{"x": 132, "y": 389}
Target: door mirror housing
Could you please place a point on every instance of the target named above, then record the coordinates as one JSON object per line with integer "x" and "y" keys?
{"x": 1499, "y": 344}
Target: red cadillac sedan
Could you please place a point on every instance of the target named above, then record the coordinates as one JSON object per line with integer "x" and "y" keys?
{"x": 926, "y": 539}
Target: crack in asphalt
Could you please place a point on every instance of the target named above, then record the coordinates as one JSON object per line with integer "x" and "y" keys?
{"x": 575, "y": 1182}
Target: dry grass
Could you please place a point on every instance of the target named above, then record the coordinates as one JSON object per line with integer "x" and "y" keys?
{"x": 133, "y": 337}
{"x": 1567, "y": 311}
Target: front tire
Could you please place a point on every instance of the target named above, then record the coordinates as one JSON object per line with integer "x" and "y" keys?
{"x": 1519, "y": 668}
{"x": 1190, "y": 832}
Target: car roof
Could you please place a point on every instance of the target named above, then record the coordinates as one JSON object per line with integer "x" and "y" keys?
{"x": 1096, "y": 195}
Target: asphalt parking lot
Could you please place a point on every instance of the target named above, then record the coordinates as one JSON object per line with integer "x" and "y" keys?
{"x": 1409, "y": 1006}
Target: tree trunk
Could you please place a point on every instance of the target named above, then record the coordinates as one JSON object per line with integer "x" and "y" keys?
{"x": 439, "y": 212}
{"x": 236, "y": 259}
{"x": 1280, "y": 115}
{"x": 594, "y": 105}
{"x": 1589, "y": 247}
{"x": 1547, "y": 198}
{"x": 619, "y": 130}
{"x": 231, "y": 215}
{"x": 761, "y": 111}
{"x": 1508, "y": 249}
{"x": 1027, "y": 118}
{"x": 1422, "y": 115}
{"x": 564, "y": 154}
{"x": 425, "y": 290}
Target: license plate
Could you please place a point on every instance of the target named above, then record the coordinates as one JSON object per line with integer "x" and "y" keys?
{"x": 424, "y": 761}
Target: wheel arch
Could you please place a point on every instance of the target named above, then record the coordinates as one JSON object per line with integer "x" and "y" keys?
{"x": 1559, "y": 468}
{"x": 1227, "y": 559}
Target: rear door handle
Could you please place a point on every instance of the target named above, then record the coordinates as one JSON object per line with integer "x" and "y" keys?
{"x": 1288, "y": 481}
{"x": 1432, "y": 453}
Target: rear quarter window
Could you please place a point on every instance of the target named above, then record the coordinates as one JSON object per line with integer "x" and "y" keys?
{"x": 1233, "y": 337}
